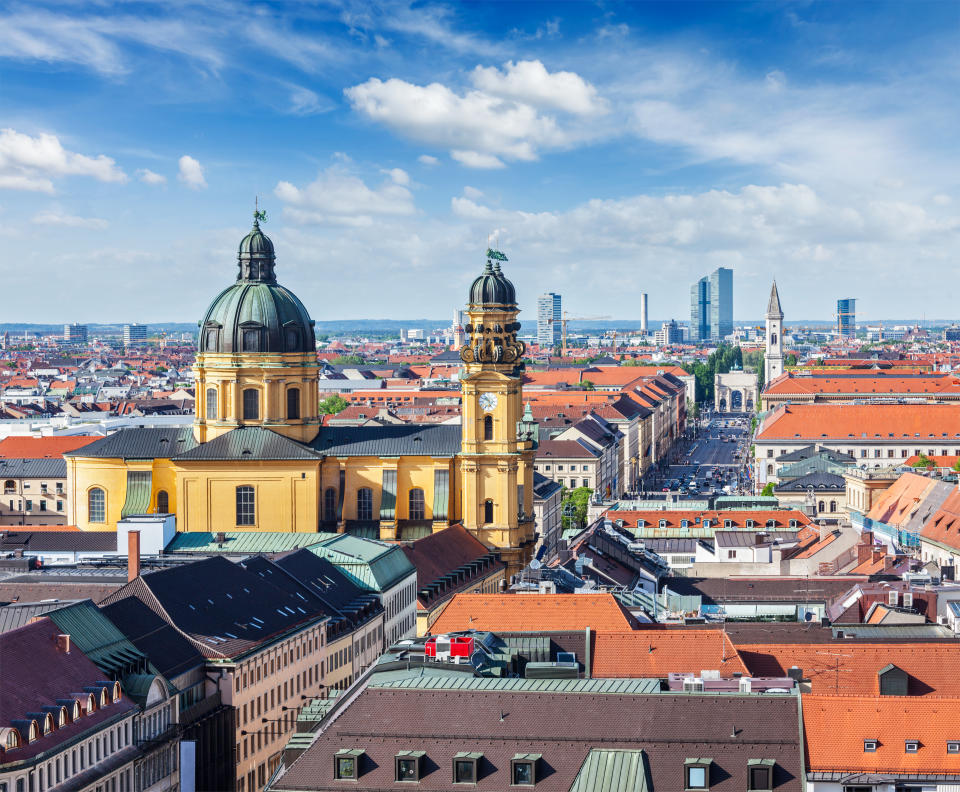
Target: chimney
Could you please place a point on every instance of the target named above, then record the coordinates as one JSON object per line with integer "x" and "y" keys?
{"x": 221, "y": 538}
{"x": 867, "y": 537}
{"x": 888, "y": 563}
{"x": 824, "y": 533}
{"x": 878, "y": 553}
{"x": 795, "y": 673}
{"x": 133, "y": 555}
{"x": 863, "y": 552}
{"x": 63, "y": 643}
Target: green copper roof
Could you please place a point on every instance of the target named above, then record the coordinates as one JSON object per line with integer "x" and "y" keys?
{"x": 460, "y": 681}
{"x": 612, "y": 771}
{"x": 139, "y": 487}
{"x": 377, "y": 566}
{"x": 245, "y": 542}
{"x": 97, "y": 637}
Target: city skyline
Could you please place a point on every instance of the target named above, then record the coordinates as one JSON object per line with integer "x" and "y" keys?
{"x": 765, "y": 139}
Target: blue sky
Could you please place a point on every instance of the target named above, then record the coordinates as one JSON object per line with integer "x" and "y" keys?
{"x": 612, "y": 148}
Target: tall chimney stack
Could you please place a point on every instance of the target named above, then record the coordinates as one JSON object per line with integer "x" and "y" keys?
{"x": 133, "y": 555}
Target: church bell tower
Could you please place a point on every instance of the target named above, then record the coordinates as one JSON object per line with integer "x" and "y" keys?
{"x": 499, "y": 438}
{"x": 773, "y": 358}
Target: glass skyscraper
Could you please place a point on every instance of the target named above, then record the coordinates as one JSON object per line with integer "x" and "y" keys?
{"x": 847, "y": 317}
{"x": 548, "y": 320}
{"x": 711, "y": 306}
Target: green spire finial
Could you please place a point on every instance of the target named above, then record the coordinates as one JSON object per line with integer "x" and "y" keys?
{"x": 258, "y": 213}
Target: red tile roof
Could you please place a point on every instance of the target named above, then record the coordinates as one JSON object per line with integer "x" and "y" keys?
{"x": 657, "y": 653}
{"x": 694, "y": 518}
{"x": 944, "y": 526}
{"x": 41, "y": 447}
{"x": 913, "y": 422}
{"x": 533, "y": 613}
{"x": 835, "y": 728}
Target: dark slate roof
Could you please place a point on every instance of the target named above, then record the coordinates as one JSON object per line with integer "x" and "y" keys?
{"x": 62, "y": 541}
{"x": 562, "y": 728}
{"x": 249, "y": 442}
{"x": 21, "y": 613}
{"x": 447, "y": 356}
{"x": 447, "y": 551}
{"x": 169, "y": 652}
{"x": 811, "y": 451}
{"x": 227, "y": 609}
{"x": 719, "y": 590}
{"x": 441, "y": 440}
{"x": 33, "y": 468}
{"x": 818, "y": 480}
{"x": 140, "y": 443}
{"x": 544, "y": 487}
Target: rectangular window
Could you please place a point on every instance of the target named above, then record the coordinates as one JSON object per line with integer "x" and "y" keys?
{"x": 696, "y": 776}
{"x": 760, "y": 778}
{"x": 246, "y": 507}
{"x": 43, "y": 505}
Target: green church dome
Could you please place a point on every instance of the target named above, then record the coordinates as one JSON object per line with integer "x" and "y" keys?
{"x": 492, "y": 287}
{"x": 256, "y": 314}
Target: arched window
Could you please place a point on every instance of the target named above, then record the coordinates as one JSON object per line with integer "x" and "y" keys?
{"x": 96, "y": 505}
{"x": 365, "y": 503}
{"x": 163, "y": 502}
{"x": 9, "y": 486}
{"x": 488, "y": 511}
{"x": 116, "y": 692}
{"x": 330, "y": 504}
{"x": 91, "y": 704}
{"x": 769, "y": 470}
{"x": 833, "y": 506}
{"x": 76, "y": 710}
{"x": 47, "y": 723}
{"x": 487, "y": 427}
{"x": 773, "y": 338}
{"x": 821, "y": 507}
{"x": 34, "y": 731}
{"x": 246, "y": 506}
{"x": 251, "y": 404}
{"x": 293, "y": 404}
{"x": 62, "y": 718}
{"x": 211, "y": 404}
{"x": 417, "y": 505}
{"x": 13, "y": 739}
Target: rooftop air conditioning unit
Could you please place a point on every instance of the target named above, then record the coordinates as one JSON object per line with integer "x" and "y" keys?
{"x": 693, "y": 685}
{"x": 746, "y": 685}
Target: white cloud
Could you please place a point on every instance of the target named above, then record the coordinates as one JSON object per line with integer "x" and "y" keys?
{"x": 940, "y": 199}
{"x": 531, "y": 83}
{"x": 503, "y": 119}
{"x": 472, "y": 193}
{"x": 465, "y": 207}
{"x": 474, "y": 159}
{"x": 426, "y": 159}
{"x": 31, "y": 163}
{"x": 339, "y": 197}
{"x": 775, "y": 80}
{"x": 147, "y": 176}
{"x": 304, "y": 102}
{"x": 56, "y": 217}
{"x": 191, "y": 173}
{"x": 399, "y": 176}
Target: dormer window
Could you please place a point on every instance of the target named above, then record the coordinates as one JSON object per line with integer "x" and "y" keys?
{"x": 696, "y": 773}
{"x": 760, "y": 775}
{"x": 911, "y": 746}
{"x": 663, "y": 523}
{"x": 728, "y": 523}
{"x": 407, "y": 765}
{"x": 953, "y": 746}
{"x": 466, "y": 768}
{"x": 870, "y": 746}
{"x": 707, "y": 523}
{"x": 641, "y": 523}
{"x": 523, "y": 769}
{"x": 346, "y": 764}
{"x": 684, "y": 523}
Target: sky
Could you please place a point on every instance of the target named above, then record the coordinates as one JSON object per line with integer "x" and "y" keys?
{"x": 607, "y": 148}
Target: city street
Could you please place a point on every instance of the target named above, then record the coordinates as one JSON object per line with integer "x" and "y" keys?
{"x": 708, "y": 463}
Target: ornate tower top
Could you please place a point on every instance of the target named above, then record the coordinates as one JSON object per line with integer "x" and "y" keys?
{"x": 493, "y": 311}
{"x": 255, "y": 256}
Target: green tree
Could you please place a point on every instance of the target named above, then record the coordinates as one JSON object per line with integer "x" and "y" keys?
{"x": 790, "y": 360}
{"x": 767, "y": 490}
{"x": 923, "y": 461}
{"x": 347, "y": 360}
{"x": 956, "y": 466}
{"x": 587, "y": 385}
{"x": 333, "y": 404}
{"x": 576, "y": 502}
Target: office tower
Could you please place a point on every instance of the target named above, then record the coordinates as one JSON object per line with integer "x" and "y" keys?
{"x": 711, "y": 306}
{"x": 75, "y": 333}
{"x": 721, "y": 303}
{"x": 847, "y": 317}
{"x": 669, "y": 333}
{"x": 548, "y": 320}
{"x": 134, "y": 334}
{"x": 643, "y": 313}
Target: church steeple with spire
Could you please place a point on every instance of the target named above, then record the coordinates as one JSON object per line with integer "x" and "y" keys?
{"x": 773, "y": 357}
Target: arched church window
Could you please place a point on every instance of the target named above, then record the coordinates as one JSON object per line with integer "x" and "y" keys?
{"x": 211, "y": 404}
{"x": 773, "y": 338}
{"x": 365, "y": 503}
{"x": 246, "y": 506}
{"x": 330, "y": 504}
{"x": 488, "y": 427}
{"x": 163, "y": 502}
{"x": 417, "y": 504}
{"x": 251, "y": 404}
{"x": 488, "y": 511}
{"x": 293, "y": 404}
{"x": 96, "y": 505}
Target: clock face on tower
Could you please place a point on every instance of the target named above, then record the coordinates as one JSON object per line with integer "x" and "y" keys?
{"x": 488, "y": 402}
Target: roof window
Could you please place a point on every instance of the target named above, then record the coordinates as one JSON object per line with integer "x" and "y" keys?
{"x": 911, "y": 746}
{"x": 523, "y": 769}
{"x": 870, "y": 746}
{"x": 760, "y": 774}
{"x": 953, "y": 746}
{"x": 346, "y": 763}
{"x": 407, "y": 765}
{"x": 466, "y": 768}
{"x": 696, "y": 773}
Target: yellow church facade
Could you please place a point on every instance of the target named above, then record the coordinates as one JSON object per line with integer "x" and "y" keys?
{"x": 257, "y": 458}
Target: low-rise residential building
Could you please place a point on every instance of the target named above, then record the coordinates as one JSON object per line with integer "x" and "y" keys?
{"x": 846, "y": 386}
{"x": 34, "y": 491}
{"x": 547, "y": 499}
{"x": 900, "y": 512}
{"x": 940, "y": 535}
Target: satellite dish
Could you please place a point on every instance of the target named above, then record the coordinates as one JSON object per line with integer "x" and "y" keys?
{"x": 535, "y": 564}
